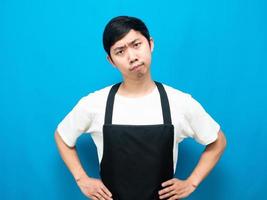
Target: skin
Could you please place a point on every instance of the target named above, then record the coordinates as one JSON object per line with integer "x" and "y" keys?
{"x": 179, "y": 189}
{"x": 132, "y": 57}
{"x": 131, "y": 51}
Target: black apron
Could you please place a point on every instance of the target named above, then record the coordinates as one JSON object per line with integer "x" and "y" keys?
{"x": 137, "y": 158}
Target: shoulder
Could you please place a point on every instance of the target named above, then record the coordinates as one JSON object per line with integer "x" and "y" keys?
{"x": 98, "y": 94}
{"x": 95, "y": 98}
{"x": 179, "y": 100}
{"x": 176, "y": 94}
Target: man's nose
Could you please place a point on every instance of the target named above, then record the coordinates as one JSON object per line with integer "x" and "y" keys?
{"x": 132, "y": 56}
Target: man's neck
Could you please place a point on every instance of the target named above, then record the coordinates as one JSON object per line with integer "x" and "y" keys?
{"x": 137, "y": 87}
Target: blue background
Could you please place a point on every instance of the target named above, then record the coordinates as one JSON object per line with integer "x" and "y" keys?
{"x": 51, "y": 55}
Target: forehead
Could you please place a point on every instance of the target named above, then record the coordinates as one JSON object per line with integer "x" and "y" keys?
{"x": 128, "y": 38}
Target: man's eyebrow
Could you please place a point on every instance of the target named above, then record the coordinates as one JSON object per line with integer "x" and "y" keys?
{"x": 132, "y": 42}
{"x": 122, "y": 47}
{"x": 119, "y": 48}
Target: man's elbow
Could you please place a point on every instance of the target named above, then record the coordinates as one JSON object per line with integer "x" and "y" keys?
{"x": 222, "y": 141}
{"x": 218, "y": 145}
{"x": 56, "y": 136}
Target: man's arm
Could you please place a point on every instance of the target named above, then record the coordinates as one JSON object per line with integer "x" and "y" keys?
{"x": 176, "y": 189}
{"x": 208, "y": 159}
{"x": 92, "y": 188}
{"x": 70, "y": 157}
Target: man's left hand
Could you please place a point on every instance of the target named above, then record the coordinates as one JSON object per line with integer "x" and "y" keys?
{"x": 174, "y": 189}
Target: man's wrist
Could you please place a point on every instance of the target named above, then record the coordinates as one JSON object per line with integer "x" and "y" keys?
{"x": 193, "y": 181}
{"x": 80, "y": 176}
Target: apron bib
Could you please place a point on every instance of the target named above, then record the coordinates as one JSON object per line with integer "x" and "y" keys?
{"x": 137, "y": 158}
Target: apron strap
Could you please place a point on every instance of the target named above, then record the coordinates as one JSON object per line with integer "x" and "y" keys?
{"x": 164, "y": 104}
{"x": 163, "y": 97}
{"x": 110, "y": 102}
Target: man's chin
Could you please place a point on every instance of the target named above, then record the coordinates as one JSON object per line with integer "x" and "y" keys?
{"x": 140, "y": 75}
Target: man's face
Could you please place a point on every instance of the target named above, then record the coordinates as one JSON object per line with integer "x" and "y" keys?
{"x": 132, "y": 55}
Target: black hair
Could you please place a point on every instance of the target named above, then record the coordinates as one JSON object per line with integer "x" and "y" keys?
{"x": 119, "y": 26}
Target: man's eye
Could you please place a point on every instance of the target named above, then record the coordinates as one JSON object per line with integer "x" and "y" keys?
{"x": 137, "y": 44}
{"x": 119, "y": 52}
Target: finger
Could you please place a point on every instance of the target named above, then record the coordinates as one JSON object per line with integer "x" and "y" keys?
{"x": 98, "y": 196}
{"x": 166, "y": 190}
{"x": 104, "y": 195}
{"x": 175, "y": 197}
{"x": 169, "y": 194}
{"x": 90, "y": 196}
{"x": 105, "y": 189}
{"x": 94, "y": 197}
{"x": 166, "y": 183}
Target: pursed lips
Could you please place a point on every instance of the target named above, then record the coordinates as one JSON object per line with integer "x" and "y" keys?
{"x": 136, "y": 66}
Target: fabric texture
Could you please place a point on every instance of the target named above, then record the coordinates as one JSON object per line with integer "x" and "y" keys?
{"x": 188, "y": 117}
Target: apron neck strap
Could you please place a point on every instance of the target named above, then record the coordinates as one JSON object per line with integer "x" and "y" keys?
{"x": 164, "y": 104}
{"x": 163, "y": 97}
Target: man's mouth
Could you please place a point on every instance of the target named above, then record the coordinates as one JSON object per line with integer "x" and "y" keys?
{"x": 136, "y": 67}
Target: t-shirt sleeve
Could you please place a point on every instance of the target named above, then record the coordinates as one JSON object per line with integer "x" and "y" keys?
{"x": 76, "y": 122}
{"x": 204, "y": 129}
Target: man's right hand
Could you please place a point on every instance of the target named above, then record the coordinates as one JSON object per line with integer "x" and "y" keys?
{"x": 94, "y": 188}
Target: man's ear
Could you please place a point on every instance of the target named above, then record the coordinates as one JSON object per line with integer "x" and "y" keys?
{"x": 151, "y": 42}
{"x": 110, "y": 61}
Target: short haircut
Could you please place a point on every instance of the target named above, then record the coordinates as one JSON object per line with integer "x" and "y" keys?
{"x": 119, "y": 26}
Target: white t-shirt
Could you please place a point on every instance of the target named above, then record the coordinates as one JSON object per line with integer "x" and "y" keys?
{"x": 188, "y": 117}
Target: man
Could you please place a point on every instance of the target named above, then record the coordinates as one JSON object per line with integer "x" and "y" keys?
{"x": 136, "y": 125}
